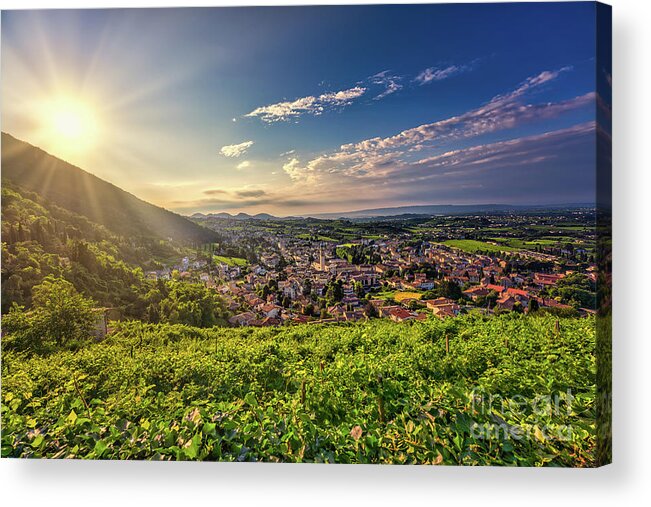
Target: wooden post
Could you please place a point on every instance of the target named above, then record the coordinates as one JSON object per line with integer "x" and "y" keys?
{"x": 447, "y": 344}
{"x": 380, "y": 399}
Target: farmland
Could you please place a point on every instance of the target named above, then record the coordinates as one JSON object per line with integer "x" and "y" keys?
{"x": 367, "y": 392}
{"x": 230, "y": 261}
{"x": 473, "y": 246}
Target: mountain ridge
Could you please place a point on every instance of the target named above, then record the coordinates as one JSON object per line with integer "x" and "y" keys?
{"x": 102, "y": 202}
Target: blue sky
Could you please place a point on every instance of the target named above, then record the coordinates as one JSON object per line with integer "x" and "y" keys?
{"x": 299, "y": 110}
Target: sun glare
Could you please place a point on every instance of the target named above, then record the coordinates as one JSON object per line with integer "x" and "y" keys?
{"x": 70, "y": 124}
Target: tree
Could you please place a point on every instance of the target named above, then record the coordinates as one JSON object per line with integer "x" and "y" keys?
{"x": 191, "y": 304}
{"x": 491, "y": 299}
{"x": 370, "y": 311}
{"x": 451, "y": 290}
{"x": 359, "y": 290}
{"x": 533, "y": 305}
{"x": 60, "y": 316}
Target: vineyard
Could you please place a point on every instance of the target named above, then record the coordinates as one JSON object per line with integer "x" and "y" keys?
{"x": 507, "y": 390}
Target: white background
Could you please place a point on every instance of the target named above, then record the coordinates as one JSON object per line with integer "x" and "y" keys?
{"x": 627, "y": 481}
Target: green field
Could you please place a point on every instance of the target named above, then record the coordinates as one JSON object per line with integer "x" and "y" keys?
{"x": 373, "y": 392}
{"x": 231, "y": 261}
{"x": 316, "y": 238}
{"x": 473, "y": 246}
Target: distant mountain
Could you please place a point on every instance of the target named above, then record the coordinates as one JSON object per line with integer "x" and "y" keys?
{"x": 101, "y": 202}
{"x": 402, "y": 212}
{"x": 239, "y": 216}
{"x": 443, "y": 209}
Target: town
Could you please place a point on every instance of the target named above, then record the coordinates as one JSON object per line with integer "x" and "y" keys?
{"x": 401, "y": 268}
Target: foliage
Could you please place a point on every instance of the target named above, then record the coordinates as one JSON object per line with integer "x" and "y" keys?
{"x": 358, "y": 254}
{"x": 60, "y": 316}
{"x": 576, "y": 290}
{"x": 373, "y": 392}
{"x": 185, "y": 303}
{"x": 40, "y": 239}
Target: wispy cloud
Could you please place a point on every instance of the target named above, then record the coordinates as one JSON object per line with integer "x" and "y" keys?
{"x": 390, "y": 82}
{"x": 236, "y": 150}
{"x": 375, "y": 156}
{"x": 243, "y": 165}
{"x": 313, "y": 105}
{"x": 501, "y": 112}
{"x": 240, "y": 199}
{"x": 250, "y": 193}
{"x": 439, "y": 74}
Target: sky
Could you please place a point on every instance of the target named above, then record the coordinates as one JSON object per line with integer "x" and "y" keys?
{"x": 299, "y": 110}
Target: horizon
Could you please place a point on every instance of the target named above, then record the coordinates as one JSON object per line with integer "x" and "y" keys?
{"x": 350, "y": 212}
{"x": 207, "y": 117}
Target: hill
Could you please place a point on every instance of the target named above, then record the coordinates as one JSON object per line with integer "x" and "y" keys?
{"x": 239, "y": 216}
{"x": 84, "y": 194}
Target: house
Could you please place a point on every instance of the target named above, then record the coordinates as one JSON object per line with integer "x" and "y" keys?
{"x": 243, "y": 319}
{"x": 519, "y": 294}
{"x": 269, "y": 310}
{"x": 443, "y": 311}
{"x": 543, "y": 279}
{"x": 497, "y": 288}
{"x": 506, "y": 302}
{"x": 385, "y": 311}
{"x": 377, "y": 303}
{"x": 476, "y": 292}
{"x": 400, "y": 315}
{"x": 270, "y": 321}
{"x": 336, "y": 311}
{"x": 443, "y": 307}
{"x": 433, "y": 303}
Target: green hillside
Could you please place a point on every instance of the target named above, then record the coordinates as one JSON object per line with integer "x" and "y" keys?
{"x": 41, "y": 240}
{"x": 512, "y": 390}
{"x": 82, "y": 193}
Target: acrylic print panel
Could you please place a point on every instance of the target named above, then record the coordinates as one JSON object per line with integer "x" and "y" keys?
{"x": 351, "y": 234}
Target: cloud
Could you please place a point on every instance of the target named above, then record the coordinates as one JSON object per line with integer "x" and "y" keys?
{"x": 290, "y": 152}
{"x": 555, "y": 166}
{"x": 242, "y": 200}
{"x": 390, "y": 82}
{"x": 519, "y": 151}
{"x": 293, "y": 169}
{"x": 446, "y": 161}
{"x": 282, "y": 111}
{"x": 236, "y": 150}
{"x": 377, "y": 156}
{"x": 439, "y": 74}
{"x": 243, "y": 165}
{"x": 250, "y": 193}
{"x": 501, "y": 112}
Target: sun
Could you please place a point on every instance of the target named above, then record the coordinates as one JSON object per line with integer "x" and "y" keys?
{"x": 70, "y": 124}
